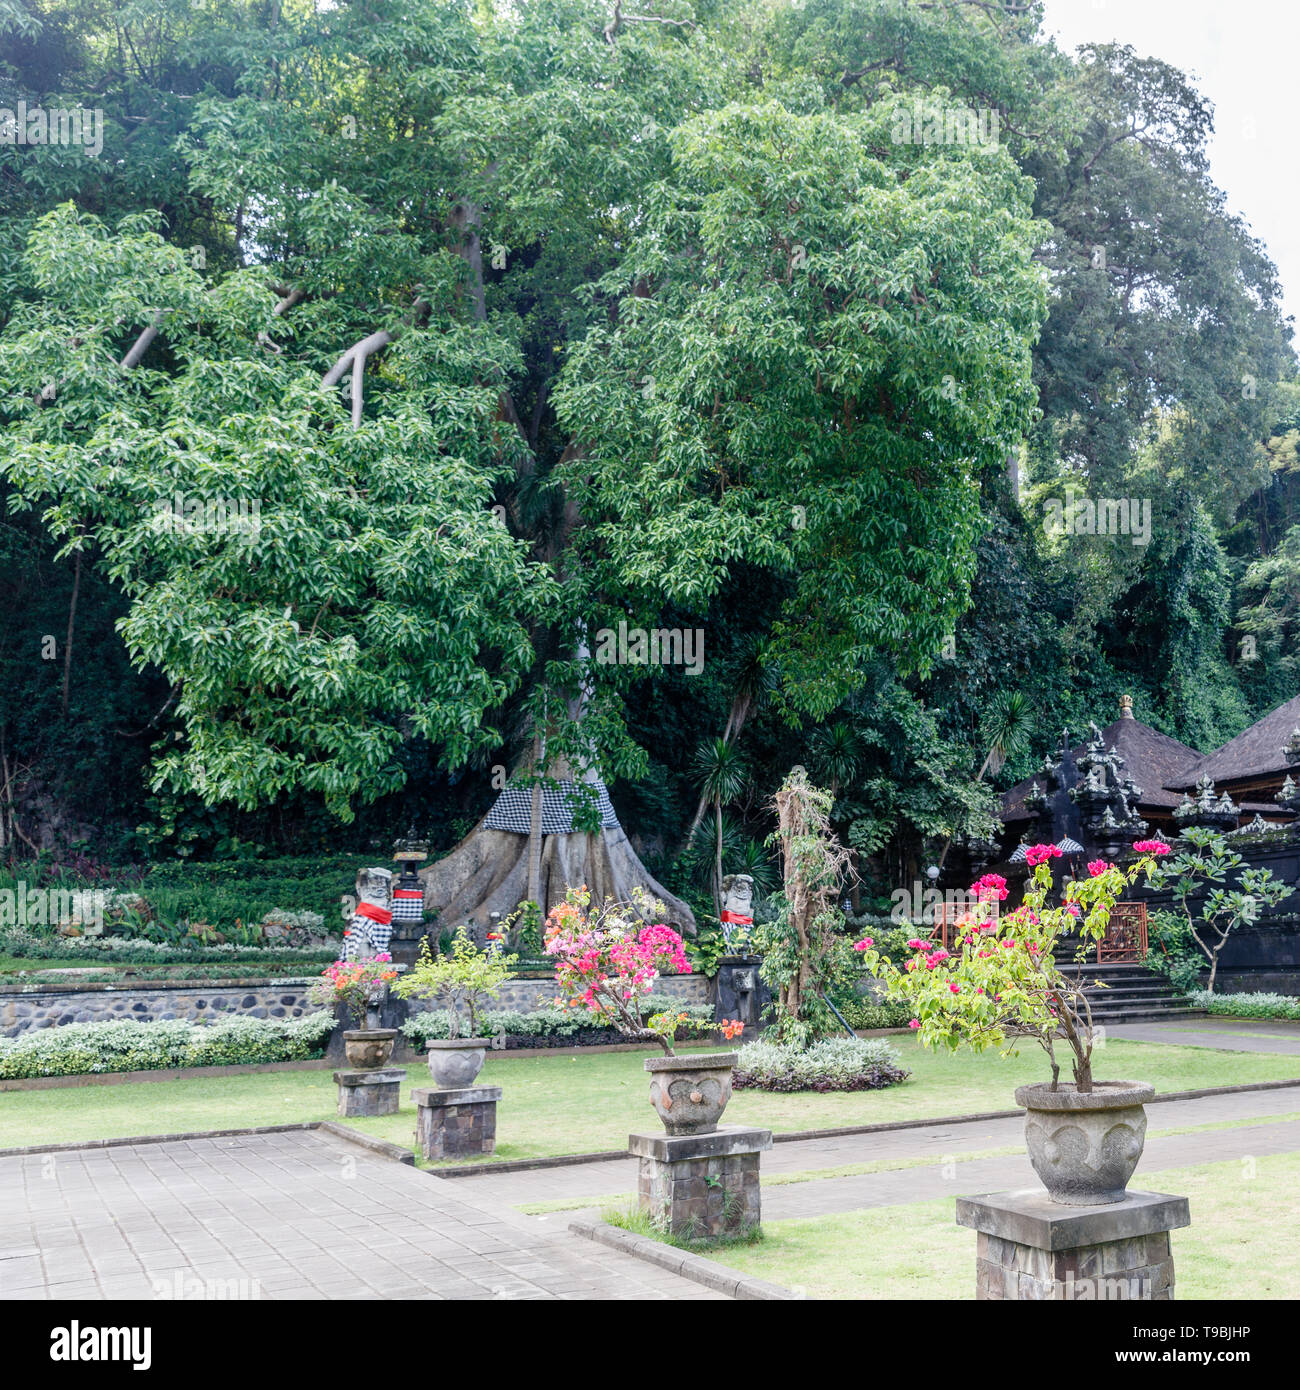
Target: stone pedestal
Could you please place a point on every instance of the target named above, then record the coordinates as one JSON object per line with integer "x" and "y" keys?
{"x": 370, "y": 1092}
{"x": 456, "y": 1124}
{"x": 701, "y": 1185}
{"x": 1031, "y": 1247}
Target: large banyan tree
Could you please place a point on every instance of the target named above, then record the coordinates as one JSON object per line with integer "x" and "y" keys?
{"x": 510, "y": 325}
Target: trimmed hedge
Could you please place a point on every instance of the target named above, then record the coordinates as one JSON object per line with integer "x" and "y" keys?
{"x": 548, "y": 1027}
{"x": 133, "y": 950}
{"x": 862, "y": 1013}
{"x": 835, "y": 1064}
{"x": 77, "y": 1049}
{"x": 1246, "y": 1005}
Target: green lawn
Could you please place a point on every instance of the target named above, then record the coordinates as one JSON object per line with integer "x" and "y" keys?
{"x": 574, "y": 1102}
{"x": 1241, "y": 1242}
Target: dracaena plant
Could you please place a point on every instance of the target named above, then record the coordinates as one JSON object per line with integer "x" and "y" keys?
{"x": 1001, "y": 980}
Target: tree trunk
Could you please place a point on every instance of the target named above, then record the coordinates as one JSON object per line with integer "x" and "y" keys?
{"x": 717, "y": 860}
{"x": 72, "y": 620}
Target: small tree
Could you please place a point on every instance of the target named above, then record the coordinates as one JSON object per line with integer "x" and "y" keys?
{"x": 467, "y": 977}
{"x": 1001, "y": 980}
{"x": 804, "y": 953}
{"x": 1204, "y": 858}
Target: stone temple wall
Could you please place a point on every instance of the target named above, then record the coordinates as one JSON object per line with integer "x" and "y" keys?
{"x": 24, "y": 1009}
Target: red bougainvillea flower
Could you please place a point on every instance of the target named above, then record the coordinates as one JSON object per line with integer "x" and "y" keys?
{"x": 1097, "y": 866}
{"x": 1156, "y": 847}
{"x": 1039, "y": 854}
{"x": 989, "y": 887}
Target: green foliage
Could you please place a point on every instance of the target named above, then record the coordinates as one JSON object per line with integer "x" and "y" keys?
{"x": 862, "y": 1013}
{"x": 835, "y": 1064}
{"x": 465, "y": 978}
{"x": 1246, "y": 1005}
{"x": 547, "y": 1022}
{"x": 1173, "y": 952}
{"x": 79, "y": 1048}
{"x": 1211, "y": 912}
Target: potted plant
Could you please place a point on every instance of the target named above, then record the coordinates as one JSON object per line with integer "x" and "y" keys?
{"x": 1001, "y": 981}
{"x": 606, "y": 962}
{"x": 467, "y": 977}
{"x": 359, "y": 986}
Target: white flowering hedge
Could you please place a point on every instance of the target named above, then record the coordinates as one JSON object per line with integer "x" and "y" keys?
{"x": 541, "y": 1023}
{"x": 80, "y": 1048}
{"x": 835, "y": 1064}
{"x": 1246, "y": 1005}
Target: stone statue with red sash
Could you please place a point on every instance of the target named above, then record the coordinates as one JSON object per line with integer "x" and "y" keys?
{"x": 370, "y": 926}
{"x": 737, "y": 904}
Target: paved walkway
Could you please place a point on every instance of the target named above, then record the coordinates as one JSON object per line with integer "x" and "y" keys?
{"x": 943, "y": 1171}
{"x": 1224, "y": 1034}
{"x": 292, "y": 1215}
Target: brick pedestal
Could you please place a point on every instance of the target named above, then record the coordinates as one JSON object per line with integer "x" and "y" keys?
{"x": 370, "y": 1092}
{"x": 701, "y": 1185}
{"x": 456, "y": 1124}
{"x": 1031, "y": 1247}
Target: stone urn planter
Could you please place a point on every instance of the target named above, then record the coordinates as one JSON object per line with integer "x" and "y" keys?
{"x": 690, "y": 1093}
{"x": 455, "y": 1062}
{"x": 1085, "y": 1147}
{"x": 368, "y": 1048}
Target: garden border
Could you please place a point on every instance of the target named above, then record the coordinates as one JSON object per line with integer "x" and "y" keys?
{"x": 697, "y": 1268}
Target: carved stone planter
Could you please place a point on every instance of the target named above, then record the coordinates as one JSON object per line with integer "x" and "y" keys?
{"x": 690, "y": 1093}
{"x": 455, "y": 1062}
{"x": 367, "y": 1048}
{"x": 1085, "y": 1147}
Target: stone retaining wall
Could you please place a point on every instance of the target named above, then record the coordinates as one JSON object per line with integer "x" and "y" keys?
{"x": 20, "y": 1012}
{"x": 23, "y": 1010}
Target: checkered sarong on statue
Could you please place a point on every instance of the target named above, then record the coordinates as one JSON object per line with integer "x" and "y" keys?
{"x": 513, "y": 809}
{"x": 368, "y": 933}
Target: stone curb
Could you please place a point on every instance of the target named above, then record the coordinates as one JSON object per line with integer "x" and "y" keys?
{"x": 352, "y": 1136}
{"x": 686, "y": 1263}
{"x": 158, "y": 1138}
{"x": 383, "y": 1147}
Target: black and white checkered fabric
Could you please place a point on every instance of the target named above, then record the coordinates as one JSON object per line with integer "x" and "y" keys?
{"x": 365, "y": 938}
{"x": 513, "y": 809}
{"x": 408, "y": 909}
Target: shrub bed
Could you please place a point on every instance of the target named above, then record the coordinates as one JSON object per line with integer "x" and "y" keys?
{"x": 547, "y": 1027}
{"x": 83, "y": 1048}
{"x": 835, "y": 1064}
{"x": 862, "y": 1013}
{"x": 108, "y": 950}
{"x": 1246, "y": 1005}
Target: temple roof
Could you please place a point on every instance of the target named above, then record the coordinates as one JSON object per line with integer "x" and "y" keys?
{"x": 1153, "y": 760}
{"x": 1256, "y": 752}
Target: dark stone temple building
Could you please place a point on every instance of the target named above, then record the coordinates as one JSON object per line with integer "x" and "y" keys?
{"x": 1128, "y": 781}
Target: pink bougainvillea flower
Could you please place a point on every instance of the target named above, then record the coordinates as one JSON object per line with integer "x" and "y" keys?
{"x": 916, "y": 944}
{"x": 989, "y": 887}
{"x": 1097, "y": 866}
{"x": 1156, "y": 847}
{"x": 915, "y": 1023}
{"x": 1072, "y": 909}
{"x": 864, "y": 945}
{"x": 955, "y": 987}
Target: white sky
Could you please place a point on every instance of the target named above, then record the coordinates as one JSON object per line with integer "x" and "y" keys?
{"x": 1245, "y": 58}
